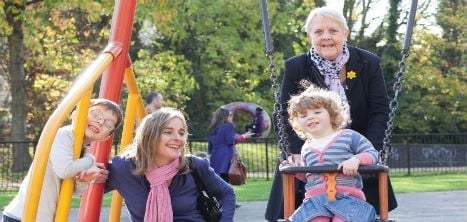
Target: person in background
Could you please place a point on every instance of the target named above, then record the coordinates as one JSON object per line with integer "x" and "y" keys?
{"x": 354, "y": 74}
{"x": 154, "y": 101}
{"x": 103, "y": 117}
{"x": 154, "y": 178}
{"x": 256, "y": 126}
{"x": 202, "y": 155}
{"x": 319, "y": 117}
{"x": 222, "y": 138}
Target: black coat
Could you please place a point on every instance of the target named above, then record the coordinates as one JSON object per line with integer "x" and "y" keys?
{"x": 369, "y": 109}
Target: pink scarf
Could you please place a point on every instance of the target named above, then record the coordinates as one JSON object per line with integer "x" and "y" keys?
{"x": 158, "y": 205}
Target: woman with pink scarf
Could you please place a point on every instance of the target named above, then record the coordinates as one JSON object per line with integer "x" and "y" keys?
{"x": 154, "y": 178}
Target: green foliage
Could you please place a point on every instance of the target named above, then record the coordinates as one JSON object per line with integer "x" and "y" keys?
{"x": 434, "y": 99}
{"x": 203, "y": 54}
{"x": 224, "y": 47}
{"x": 167, "y": 73}
{"x": 61, "y": 38}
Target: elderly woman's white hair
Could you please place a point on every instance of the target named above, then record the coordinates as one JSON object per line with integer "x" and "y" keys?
{"x": 325, "y": 12}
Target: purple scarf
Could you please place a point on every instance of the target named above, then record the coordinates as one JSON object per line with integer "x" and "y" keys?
{"x": 331, "y": 69}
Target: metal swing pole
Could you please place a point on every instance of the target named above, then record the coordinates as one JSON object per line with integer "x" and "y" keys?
{"x": 279, "y": 125}
{"x": 278, "y": 119}
{"x": 394, "y": 104}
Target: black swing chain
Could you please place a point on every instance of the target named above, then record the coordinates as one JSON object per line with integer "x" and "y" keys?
{"x": 282, "y": 138}
{"x": 394, "y": 104}
{"x": 283, "y": 141}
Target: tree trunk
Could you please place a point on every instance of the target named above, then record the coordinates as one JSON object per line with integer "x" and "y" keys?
{"x": 14, "y": 13}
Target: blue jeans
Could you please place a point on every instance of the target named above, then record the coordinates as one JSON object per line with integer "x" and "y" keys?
{"x": 347, "y": 207}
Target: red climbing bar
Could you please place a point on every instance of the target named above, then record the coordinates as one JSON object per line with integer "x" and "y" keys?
{"x": 111, "y": 87}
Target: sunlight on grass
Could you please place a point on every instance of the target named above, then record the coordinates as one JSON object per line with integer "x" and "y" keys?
{"x": 254, "y": 189}
{"x": 442, "y": 182}
{"x": 258, "y": 189}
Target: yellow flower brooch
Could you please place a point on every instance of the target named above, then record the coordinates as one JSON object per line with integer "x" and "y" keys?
{"x": 351, "y": 75}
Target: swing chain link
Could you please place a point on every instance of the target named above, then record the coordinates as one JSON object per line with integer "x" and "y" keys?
{"x": 278, "y": 118}
{"x": 282, "y": 140}
{"x": 393, "y": 105}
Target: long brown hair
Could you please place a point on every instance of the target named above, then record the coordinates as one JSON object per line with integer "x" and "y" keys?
{"x": 148, "y": 136}
{"x": 219, "y": 118}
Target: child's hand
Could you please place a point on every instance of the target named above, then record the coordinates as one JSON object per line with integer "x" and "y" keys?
{"x": 95, "y": 174}
{"x": 297, "y": 159}
{"x": 294, "y": 160}
{"x": 285, "y": 164}
{"x": 350, "y": 166}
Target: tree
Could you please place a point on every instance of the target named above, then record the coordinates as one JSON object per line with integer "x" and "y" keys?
{"x": 63, "y": 41}
{"x": 204, "y": 54}
{"x": 451, "y": 17}
{"x": 436, "y": 76}
{"x": 390, "y": 53}
{"x": 37, "y": 61}
{"x": 14, "y": 12}
{"x": 224, "y": 47}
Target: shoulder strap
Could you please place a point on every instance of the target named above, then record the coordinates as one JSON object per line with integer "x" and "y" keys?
{"x": 199, "y": 183}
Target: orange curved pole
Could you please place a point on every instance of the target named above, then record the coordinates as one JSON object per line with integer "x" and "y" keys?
{"x": 134, "y": 107}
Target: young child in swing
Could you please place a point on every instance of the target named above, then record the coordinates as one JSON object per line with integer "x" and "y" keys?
{"x": 318, "y": 116}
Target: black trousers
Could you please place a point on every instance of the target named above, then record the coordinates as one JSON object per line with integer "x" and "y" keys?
{"x": 275, "y": 206}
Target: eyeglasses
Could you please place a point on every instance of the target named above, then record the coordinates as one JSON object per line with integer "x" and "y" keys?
{"x": 230, "y": 114}
{"x": 97, "y": 116}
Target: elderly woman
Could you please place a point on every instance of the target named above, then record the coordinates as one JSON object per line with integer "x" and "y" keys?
{"x": 354, "y": 74}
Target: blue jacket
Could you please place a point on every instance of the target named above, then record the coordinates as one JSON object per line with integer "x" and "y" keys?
{"x": 183, "y": 190}
{"x": 221, "y": 147}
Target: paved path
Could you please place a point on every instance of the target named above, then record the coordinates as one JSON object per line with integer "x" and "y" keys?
{"x": 448, "y": 206}
{"x": 431, "y": 207}
{"x": 413, "y": 207}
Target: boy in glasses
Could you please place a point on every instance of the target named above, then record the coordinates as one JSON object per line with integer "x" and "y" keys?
{"x": 103, "y": 117}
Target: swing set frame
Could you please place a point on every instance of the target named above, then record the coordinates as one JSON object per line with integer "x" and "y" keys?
{"x": 113, "y": 65}
{"x": 382, "y": 169}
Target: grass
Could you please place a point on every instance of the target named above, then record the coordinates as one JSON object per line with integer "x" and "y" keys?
{"x": 258, "y": 189}
{"x": 429, "y": 183}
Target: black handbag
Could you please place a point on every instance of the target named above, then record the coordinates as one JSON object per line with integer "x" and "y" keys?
{"x": 206, "y": 203}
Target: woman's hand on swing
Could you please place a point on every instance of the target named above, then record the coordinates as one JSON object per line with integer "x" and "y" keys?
{"x": 350, "y": 166}
{"x": 247, "y": 135}
{"x": 292, "y": 160}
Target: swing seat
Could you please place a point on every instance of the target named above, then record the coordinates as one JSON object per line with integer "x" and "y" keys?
{"x": 288, "y": 175}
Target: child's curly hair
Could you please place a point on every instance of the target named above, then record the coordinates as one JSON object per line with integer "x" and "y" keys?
{"x": 314, "y": 98}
